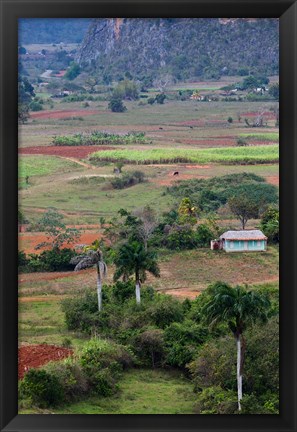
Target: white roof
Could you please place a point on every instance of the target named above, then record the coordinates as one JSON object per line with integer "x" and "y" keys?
{"x": 243, "y": 235}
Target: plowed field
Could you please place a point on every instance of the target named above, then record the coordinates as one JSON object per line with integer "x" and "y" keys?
{"x": 63, "y": 114}
{"x": 32, "y": 356}
{"x": 79, "y": 152}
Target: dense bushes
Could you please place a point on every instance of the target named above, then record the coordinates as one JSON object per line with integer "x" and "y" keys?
{"x": 99, "y": 138}
{"x": 213, "y": 193}
{"x": 50, "y": 260}
{"x": 128, "y": 180}
{"x": 42, "y": 388}
{"x": 96, "y": 369}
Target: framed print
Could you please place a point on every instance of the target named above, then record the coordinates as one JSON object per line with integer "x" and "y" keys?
{"x": 148, "y": 208}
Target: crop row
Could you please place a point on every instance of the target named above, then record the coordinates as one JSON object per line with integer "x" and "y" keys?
{"x": 272, "y": 136}
{"x": 99, "y": 138}
{"x": 228, "y": 155}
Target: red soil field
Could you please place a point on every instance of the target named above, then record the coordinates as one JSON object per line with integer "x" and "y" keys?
{"x": 63, "y": 114}
{"x": 32, "y": 356}
{"x": 28, "y": 241}
{"x": 268, "y": 114}
{"x": 79, "y": 152}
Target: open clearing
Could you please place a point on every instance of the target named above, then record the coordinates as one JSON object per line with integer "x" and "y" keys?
{"x": 142, "y": 391}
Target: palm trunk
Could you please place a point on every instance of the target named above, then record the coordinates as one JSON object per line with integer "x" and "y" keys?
{"x": 137, "y": 291}
{"x": 239, "y": 371}
{"x": 99, "y": 289}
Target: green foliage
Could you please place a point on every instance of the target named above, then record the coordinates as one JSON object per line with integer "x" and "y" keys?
{"x": 180, "y": 237}
{"x": 215, "y": 400}
{"x": 133, "y": 259}
{"x": 182, "y": 342}
{"x": 230, "y": 120}
{"x": 270, "y": 224}
{"x": 102, "y": 362}
{"x": 187, "y": 212}
{"x": 42, "y": 388}
{"x": 25, "y": 97}
{"x": 204, "y": 235}
{"x": 160, "y": 98}
{"x": 241, "y": 142}
{"x": 116, "y": 105}
{"x": 126, "y": 89}
{"x": 99, "y": 138}
{"x": 165, "y": 310}
{"x": 210, "y": 194}
{"x": 71, "y": 377}
{"x": 243, "y": 208}
{"x": 56, "y": 231}
{"x": 72, "y": 72}
{"x": 228, "y": 155}
{"x": 127, "y": 180}
{"x": 49, "y": 260}
{"x": 149, "y": 347}
{"x": 123, "y": 291}
{"x": 274, "y": 91}
{"x": 35, "y": 106}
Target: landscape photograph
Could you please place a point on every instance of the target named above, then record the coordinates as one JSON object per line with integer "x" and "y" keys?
{"x": 148, "y": 217}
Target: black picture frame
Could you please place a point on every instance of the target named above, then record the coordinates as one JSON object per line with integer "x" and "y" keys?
{"x": 286, "y": 11}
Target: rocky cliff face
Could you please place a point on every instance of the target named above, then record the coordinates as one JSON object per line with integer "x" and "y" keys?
{"x": 182, "y": 47}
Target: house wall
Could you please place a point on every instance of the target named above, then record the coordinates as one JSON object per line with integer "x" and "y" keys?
{"x": 244, "y": 245}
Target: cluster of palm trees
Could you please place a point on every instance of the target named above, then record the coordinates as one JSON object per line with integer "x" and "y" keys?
{"x": 132, "y": 259}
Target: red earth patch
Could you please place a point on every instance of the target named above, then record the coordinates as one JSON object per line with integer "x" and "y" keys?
{"x": 63, "y": 114}
{"x": 79, "y": 152}
{"x": 33, "y": 356}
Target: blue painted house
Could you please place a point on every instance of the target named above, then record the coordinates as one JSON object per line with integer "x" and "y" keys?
{"x": 243, "y": 241}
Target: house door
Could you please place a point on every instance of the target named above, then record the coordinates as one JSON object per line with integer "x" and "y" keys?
{"x": 246, "y": 245}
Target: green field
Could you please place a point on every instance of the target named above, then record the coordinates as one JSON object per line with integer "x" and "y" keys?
{"x": 41, "y": 165}
{"x": 239, "y": 155}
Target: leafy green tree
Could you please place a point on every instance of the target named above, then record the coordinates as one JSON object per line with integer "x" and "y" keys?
{"x": 243, "y": 208}
{"x": 274, "y": 91}
{"x": 238, "y": 308}
{"x": 72, "y": 72}
{"x": 25, "y": 97}
{"x": 56, "y": 231}
{"x": 116, "y": 104}
{"x": 132, "y": 258}
{"x": 187, "y": 212}
{"x": 160, "y": 98}
{"x": 270, "y": 223}
{"x": 93, "y": 256}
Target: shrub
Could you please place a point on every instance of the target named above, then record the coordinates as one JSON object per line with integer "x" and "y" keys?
{"x": 215, "y": 400}
{"x": 123, "y": 291}
{"x": 203, "y": 235}
{"x": 182, "y": 341}
{"x": 42, "y": 388}
{"x": 151, "y": 100}
{"x": 81, "y": 313}
{"x": 35, "y": 106}
{"x": 102, "y": 362}
{"x": 70, "y": 375}
{"x": 241, "y": 142}
{"x": 116, "y": 105}
{"x": 181, "y": 237}
{"x": 150, "y": 348}
{"x": 165, "y": 310}
{"x": 128, "y": 180}
{"x": 160, "y": 98}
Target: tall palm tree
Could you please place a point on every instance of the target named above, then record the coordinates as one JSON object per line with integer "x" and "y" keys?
{"x": 89, "y": 259}
{"x": 239, "y": 308}
{"x": 132, "y": 258}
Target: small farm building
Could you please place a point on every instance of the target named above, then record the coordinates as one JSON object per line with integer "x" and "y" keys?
{"x": 241, "y": 241}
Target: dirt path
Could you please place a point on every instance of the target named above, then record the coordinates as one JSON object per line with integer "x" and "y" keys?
{"x": 84, "y": 164}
